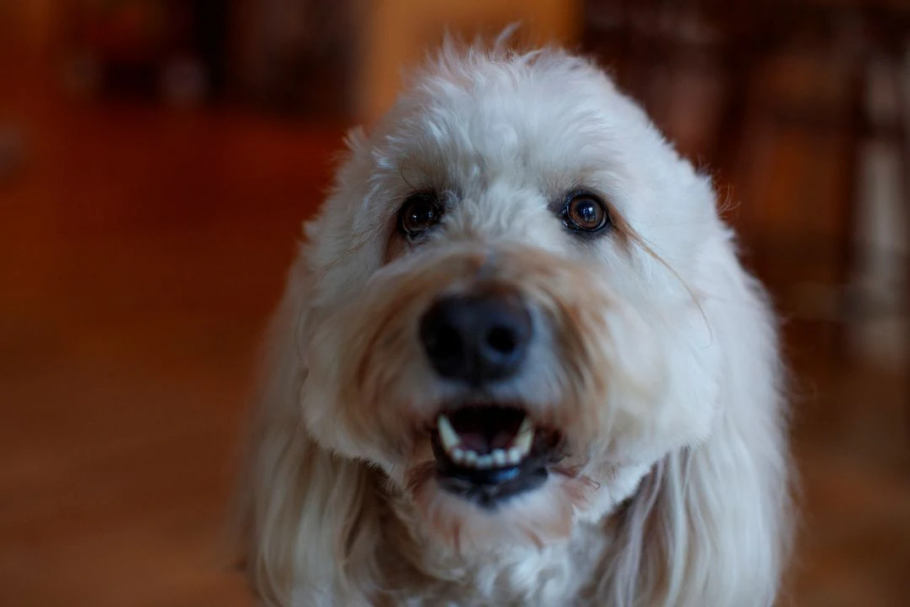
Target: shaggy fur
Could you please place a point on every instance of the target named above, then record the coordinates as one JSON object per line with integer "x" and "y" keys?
{"x": 655, "y": 354}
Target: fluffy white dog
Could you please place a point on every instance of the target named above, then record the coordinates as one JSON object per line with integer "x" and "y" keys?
{"x": 518, "y": 363}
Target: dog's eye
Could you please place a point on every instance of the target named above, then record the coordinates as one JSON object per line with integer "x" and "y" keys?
{"x": 419, "y": 213}
{"x": 585, "y": 212}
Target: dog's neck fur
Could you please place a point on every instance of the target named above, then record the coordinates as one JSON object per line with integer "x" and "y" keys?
{"x": 427, "y": 574}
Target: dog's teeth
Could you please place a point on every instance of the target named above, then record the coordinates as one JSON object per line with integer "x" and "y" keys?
{"x": 458, "y": 455}
{"x": 451, "y": 444}
{"x": 524, "y": 438}
{"x": 513, "y": 456}
{"x": 499, "y": 457}
{"x": 526, "y": 425}
{"x": 447, "y": 434}
{"x": 470, "y": 458}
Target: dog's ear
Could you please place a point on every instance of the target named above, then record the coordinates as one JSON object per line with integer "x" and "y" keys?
{"x": 305, "y": 518}
{"x": 711, "y": 524}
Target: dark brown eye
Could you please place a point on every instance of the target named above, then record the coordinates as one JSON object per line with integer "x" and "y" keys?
{"x": 585, "y": 212}
{"x": 419, "y": 213}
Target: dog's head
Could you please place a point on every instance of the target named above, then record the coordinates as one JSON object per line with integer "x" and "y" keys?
{"x": 503, "y": 309}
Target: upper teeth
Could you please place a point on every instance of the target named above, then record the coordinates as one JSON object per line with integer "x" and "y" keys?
{"x": 447, "y": 434}
{"x": 451, "y": 444}
{"x": 524, "y": 437}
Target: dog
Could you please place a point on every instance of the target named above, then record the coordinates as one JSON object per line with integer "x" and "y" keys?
{"x": 518, "y": 362}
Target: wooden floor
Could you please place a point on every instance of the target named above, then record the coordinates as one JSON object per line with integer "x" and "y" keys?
{"x": 140, "y": 252}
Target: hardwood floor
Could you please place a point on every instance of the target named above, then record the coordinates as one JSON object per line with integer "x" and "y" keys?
{"x": 140, "y": 252}
{"x": 143, "y": 251}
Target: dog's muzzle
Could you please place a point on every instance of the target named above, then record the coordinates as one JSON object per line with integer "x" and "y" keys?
{"x": 484, "y": 452}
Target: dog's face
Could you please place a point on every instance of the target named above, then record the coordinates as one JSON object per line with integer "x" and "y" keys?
{"x": 504, "y": 308}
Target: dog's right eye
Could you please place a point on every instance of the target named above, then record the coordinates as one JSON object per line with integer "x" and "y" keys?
{"x": 419, "y": 213}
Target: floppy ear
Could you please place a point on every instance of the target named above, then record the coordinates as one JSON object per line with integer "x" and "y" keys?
{"x": 711, "y": 524}
{"x": 306, "y": 519}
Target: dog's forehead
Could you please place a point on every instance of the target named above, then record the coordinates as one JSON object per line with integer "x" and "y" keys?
{"x": 547, "y": 124}
{"x": 504, "y": 141}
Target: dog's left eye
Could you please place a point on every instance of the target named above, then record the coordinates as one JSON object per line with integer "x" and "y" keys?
{"x": 419, "y": 213}
{"x": 585, "y": 212}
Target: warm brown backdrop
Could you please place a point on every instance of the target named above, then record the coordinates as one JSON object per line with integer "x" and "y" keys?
{"x": 142, "y": 247}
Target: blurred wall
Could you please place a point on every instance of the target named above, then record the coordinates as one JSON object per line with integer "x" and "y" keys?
{"x": 26, "y": 23}
{"x": 315, "y": 57}
{"x": 396, "y": 34}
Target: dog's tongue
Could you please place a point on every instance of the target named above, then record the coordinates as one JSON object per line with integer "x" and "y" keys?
{"x": 483, "y": 429}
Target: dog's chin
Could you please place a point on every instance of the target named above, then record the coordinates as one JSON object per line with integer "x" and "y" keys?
{"x": 497, "y": 480}
{"x": 534, "y": 518}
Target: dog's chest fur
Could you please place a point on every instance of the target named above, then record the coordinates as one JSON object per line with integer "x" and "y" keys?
{"x": 562, "y": 574}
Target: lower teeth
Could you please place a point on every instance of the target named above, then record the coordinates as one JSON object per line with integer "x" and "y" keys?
{"x": 521, "y": 446}
{"x": 496, "y": 458}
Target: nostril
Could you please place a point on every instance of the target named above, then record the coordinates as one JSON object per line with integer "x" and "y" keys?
{"x": 502, "y": 340}
{"x": 443, "y": 341}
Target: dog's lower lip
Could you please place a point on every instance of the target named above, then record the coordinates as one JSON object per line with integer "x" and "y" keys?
{"x": 489, "y": 487}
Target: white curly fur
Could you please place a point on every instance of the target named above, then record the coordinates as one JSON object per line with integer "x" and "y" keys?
{"x": 657, "y": 356}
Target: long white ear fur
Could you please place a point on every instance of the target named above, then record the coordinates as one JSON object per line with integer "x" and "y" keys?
{"x": 711, "y": 524}
{"x": 305, "y": 517}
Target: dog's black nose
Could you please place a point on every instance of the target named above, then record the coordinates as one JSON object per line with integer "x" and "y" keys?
{"x": 476, "y": 338}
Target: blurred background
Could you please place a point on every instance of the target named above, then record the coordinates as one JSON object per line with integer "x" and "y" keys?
{"x": 158, "y": 156}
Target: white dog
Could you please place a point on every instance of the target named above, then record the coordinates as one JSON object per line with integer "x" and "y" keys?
{"x": 518, "y": 363}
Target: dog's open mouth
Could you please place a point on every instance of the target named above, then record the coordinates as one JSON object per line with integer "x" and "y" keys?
{"x": 490, "y": 453}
